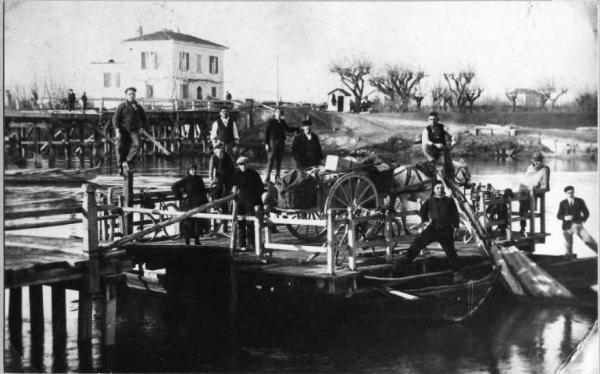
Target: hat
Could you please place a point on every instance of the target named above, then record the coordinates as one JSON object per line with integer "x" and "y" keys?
{"x": 130, "y": 89}
{"x": 193, "y": 166}
{"x": 242, "y": 160}
{"x": 569, "y": 188}
{"x": 537, "y": 156}
{"x": 306, "y": 122}
{"x": 218, "y": 144}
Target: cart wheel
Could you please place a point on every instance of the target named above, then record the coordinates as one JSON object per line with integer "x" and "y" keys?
{"x": 307, "y": 233}
{"x": 354, "y": 191}
{"x": 375, "y": 230}
{"x": 147, "y": 220}
{"x": 171, "y": 231}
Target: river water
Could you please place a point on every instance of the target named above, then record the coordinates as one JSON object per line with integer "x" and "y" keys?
{"x": 158, "y": 334}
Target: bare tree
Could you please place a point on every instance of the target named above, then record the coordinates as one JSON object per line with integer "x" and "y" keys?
{"x": 401, "y": 80}
{"x": 512, "y": 97}
{"x": 461, "y": 86}
{"x": 437, "y": 93}
{"x": 353, "y": 73}
{"x": 447, "y": 99}
{"x": 548, "y": 91}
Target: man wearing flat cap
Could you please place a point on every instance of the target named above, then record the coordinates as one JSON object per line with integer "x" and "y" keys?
{"x": 536, "y": 179}
{"x": 573, "y": 212}
{"x": 192, "y": 193}
{"x": 250, "y": 187}
{"x": 306, "y": 148}
{"x": 128, "y": 119}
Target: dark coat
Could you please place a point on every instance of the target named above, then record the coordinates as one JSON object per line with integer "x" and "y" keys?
{"x": 128, "y": 117}
{"x": 442, "y": 211}
{"x": 307, "y": 152}
{"x": 251, "y": 187}
{"x": 71, "y": 98}
{"x": 275, "y": 133}
{"x": 579, "y": 211}
{"x": 192, "y": 191}
{"x": 225, "y": 130}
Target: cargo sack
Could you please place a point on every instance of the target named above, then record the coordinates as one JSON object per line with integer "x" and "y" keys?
{"x": 297, "y": 190}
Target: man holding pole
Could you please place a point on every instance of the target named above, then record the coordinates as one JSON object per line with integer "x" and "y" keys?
{"x": 573, "y": 212}
{"x": 128, "y": 119}
{"x": 442, "y": 213}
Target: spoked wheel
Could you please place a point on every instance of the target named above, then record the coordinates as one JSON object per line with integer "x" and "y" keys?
{"x": 171, "y": 231}
{"x": 354, "y": 191}
{"x": 375, "y": 230}
{"x": 305, "y": 232}
{"x": 147, "y": 220}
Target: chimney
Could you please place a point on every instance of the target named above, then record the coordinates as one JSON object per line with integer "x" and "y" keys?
{"x": 140, "y": 31}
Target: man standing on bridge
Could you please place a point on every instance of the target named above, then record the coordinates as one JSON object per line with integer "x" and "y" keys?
{"x": 275, "y": 142}
{"x": 128, "y": 119}
{"x": 573, "y": 212}
{"x": 442, "y": 213}
{"x": 436, "y": 143}
{"x": 225, "y": 130}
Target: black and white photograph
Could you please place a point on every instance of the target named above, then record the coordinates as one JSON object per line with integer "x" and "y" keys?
{"x": 300, "y": 186}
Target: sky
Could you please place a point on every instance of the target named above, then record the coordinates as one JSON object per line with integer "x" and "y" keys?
{"x": 509, "y": 44}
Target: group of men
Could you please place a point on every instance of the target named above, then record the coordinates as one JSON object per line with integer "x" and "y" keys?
{"x": 439, "y": 210}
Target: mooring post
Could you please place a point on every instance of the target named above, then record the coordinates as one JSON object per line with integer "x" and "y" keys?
{"x": 330, "y": 252}
{"x": 90, "y": 235}
{"x": 234, "y": 227}
{"x": 84, "y": 316}
{"x": 351, "y": 239}
{"x": 36, "y": 315}
{"x": 110, "y": 310}
{"x": 15, "y": 316}
{"x": 51, "y": 150}
{"x": 128, "y": 202}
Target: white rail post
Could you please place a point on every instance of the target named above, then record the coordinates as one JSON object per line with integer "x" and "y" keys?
{"x": 509, "y": 224}
{"x": 532, "y": 209}
{"x": 389, "y": 253}
{"x": 330, "y": 254}
{"x": 234, "y": 227}
{"x": 351, "y": 227}
{"x": 258, "y": 223}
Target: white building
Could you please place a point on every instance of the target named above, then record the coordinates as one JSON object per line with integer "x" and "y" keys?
{"x": 338, "y": 100}
{"x": 163, "y": 65}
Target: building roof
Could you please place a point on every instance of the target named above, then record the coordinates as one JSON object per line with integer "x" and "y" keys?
{"x": 339, "y": 89}
{"x": 526, "y": 91}
{"x": 172, "y": 35}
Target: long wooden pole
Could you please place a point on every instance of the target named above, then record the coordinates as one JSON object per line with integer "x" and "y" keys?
{"x": 164, "y": 224}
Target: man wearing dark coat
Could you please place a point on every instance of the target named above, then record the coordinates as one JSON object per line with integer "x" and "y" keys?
{"x": 83, "y": 101}
{"x": 275, "y": 142}
{"x": 71, "y": 100}
{"x": 573, "y": 212}
{"x": 220, "y": 171}
{"x": 192, "y": 192}
{"x": 443, "y": 214}
{"x": 306, "y": 148}
{"x": 250, "y": 187}
{"x": 128, "y": 119}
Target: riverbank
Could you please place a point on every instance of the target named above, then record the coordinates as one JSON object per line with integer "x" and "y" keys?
{"x": 393, "y": 135}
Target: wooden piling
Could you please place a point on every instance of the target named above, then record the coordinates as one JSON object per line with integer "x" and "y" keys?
{"x": 37, "y": 159}
{"x": 532, "y": 209}
{"x": 84, "y": 320}
{"x": 110, "y": 312}
{"x": 36, "y": 316}
{"x": 51, "y": 150}
{"x": 59, "y": 312}
{"x": 15, "y": 316}
{"x": 81, "y": 146}
{"x": 67, "y": 148}
{"x": 94, "y": 156}
{"x": 128, "y": 202}
{"x": 90, "y": 235}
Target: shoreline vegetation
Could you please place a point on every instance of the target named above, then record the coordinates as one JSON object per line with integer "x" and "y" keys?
{"x": 392, "y": 135}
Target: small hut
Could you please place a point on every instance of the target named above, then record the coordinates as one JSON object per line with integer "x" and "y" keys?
{"x": 338, "y": 100}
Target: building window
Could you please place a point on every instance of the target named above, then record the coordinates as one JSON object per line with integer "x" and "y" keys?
{"x": 198, "y": 63}
{"x": 184, "y": 91}
{"x": 106, "y": 80}
{"x": 184, "y": 61}
{"x": 214, "y": 65}
{"x": 199, "y": 93}
{"x": 149, "y": 91}
{"x": 117, "y": 80}
{"x": 213, "y": 91}
{"x": 149, "y": 60}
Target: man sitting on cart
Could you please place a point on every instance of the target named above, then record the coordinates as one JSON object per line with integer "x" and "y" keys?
{"x": 442, "y": 213}
{"x": 306, "y": 148}
{"x": 436, "y": 143}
